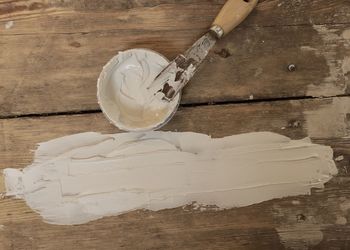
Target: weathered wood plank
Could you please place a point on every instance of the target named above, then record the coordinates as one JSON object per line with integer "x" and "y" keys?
{"x": 253, "y": 227}
{"x": 319, "y": 220}
{"x": 57, "y": 73}
{"x": 2, "y": 185}
{"x": 67, "y": 20}
{"x": 89, "y": 16}
{"x": 253, "y": 63}
{"x": 54, "y": 67}
{"x": 317, "y": 118}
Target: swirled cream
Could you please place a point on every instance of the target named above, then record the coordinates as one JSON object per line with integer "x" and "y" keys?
{"x": 123, "y": 92}
{"x": 83, "y": 177}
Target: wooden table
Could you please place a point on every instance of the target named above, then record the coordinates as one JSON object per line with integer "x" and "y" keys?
{"x": 51, "y": 53}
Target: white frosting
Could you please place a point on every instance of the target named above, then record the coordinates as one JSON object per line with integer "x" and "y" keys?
{"x": 123, "y": 91}
{"x": 83, "y": 177}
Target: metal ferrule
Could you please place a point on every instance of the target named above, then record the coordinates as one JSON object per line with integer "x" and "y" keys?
{"x": 219, "y": 32}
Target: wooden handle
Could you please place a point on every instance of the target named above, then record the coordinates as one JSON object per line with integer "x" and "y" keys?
{"x": 233, "y": 13}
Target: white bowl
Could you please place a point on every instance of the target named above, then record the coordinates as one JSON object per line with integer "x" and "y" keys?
{"x": 122, "y": 91}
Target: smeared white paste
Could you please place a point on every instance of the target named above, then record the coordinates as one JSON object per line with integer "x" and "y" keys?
{"x": 83, "y": 177}
{"x": 123, "y": 94}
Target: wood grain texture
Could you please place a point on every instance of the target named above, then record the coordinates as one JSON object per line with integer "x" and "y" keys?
{"x": 52, "y": 54}
{"x": 40, "y": 16}
{"x": 57, "y": 73}
{"x": 2, "y": 185}
{"x": 318, "y": 221}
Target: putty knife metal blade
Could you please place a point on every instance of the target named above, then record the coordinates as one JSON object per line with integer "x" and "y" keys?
{"x": 177, "y": 74}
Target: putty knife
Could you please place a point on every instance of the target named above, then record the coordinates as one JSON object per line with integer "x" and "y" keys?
{"x": 177, "y": 74}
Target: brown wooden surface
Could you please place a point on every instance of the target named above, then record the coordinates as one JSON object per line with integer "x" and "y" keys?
{"x": 50, "y": 59}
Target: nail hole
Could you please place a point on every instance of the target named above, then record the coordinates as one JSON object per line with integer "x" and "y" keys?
{"x": 75, "y": 44}
{"x": 294, "y": 124}
{"x": 224, "y": 53}
{"x": 292, "y": 67}
{"x": 301, "y": 217}
{"x": 247, "y": 1}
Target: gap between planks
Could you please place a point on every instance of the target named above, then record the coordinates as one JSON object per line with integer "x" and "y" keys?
{"x": 186, "y": 105}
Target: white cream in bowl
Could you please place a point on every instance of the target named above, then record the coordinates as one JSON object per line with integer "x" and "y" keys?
{"x": 123, "y": 95}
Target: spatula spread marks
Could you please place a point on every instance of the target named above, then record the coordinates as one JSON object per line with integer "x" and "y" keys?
{"x": 83, "y": 177}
